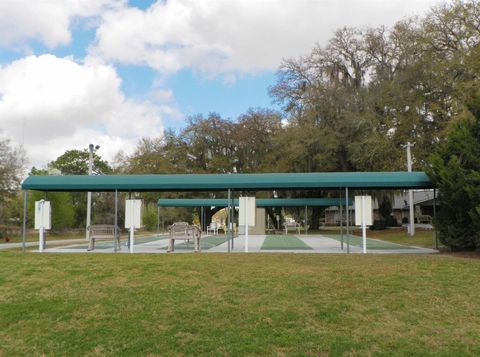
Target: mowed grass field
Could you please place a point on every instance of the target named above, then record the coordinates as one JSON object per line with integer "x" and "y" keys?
{"x": 422, "y": 238}
{"x": 238, "y": 304}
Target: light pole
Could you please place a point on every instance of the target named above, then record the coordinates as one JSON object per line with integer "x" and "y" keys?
{"x": 91, "y": 149}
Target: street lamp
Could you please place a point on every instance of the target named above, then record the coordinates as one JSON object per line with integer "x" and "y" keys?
{"x": 91, "y": 149}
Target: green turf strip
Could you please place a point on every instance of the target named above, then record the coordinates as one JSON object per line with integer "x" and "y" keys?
{"x": 278, "y": 242}
{"x": 148, "y": 239}
{"x": 99, "y": 245}
{"x": 371, "y": 243}
{"x": 109, "y": 244}
{"x": 205, "y": 243}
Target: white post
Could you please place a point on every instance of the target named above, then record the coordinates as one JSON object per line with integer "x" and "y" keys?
{"x": 364, "y": 226}
{"x": 132, "y": 214}
{"x": 410, "y": 192}
{"x": 40, "y": 239}
{"x": 246, "y": 227}
{"x": 131, "y": 238}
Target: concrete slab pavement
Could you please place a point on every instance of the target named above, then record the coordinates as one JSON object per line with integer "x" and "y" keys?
{"x": 318, "y": 243}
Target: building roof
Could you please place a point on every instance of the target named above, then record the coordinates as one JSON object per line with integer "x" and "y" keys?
{"x": 221, "y": 182}
{"x": 261, "y": 202}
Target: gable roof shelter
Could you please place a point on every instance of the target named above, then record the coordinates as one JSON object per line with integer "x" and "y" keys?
{"x": 260, "y": 202}
{"x": 225, "y": 182}
{"x": 222, "y": 182}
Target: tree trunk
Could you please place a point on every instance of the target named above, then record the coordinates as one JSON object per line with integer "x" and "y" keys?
{"x": 208, "y": 212}
{"x": 315, "y": 218}
{"x": 273, "y": 212}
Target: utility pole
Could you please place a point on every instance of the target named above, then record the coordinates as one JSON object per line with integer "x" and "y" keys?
{"x": 410, "y": 192}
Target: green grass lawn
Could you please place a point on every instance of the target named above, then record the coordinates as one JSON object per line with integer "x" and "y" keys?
{"x": 52, "y": 237}
{"x": 422, "y": 238}
{"x": 237, "y": 304}
{"x": 371, "y": 243}
{"x": 33, "y": 237}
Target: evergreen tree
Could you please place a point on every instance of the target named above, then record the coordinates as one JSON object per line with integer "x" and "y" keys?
{"x": 63, "y": 210}
{"x": 149, "y": 217}
{"x": 455, "y": 169}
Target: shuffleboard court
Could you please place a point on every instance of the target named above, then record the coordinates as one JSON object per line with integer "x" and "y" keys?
{"x": 371, "y": 243}
{"x": 284, "y": 242}
{"x": 205, "y": 243}
{"x": 109, "y": 244}
{"x": 311, "y": 243}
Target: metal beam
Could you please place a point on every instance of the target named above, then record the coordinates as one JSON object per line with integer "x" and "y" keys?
{"x": 24, "y": 226}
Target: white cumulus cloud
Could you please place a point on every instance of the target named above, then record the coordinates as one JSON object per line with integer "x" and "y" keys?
{"x": 52, "y": 104}
{"x": 222, "y": 36}
{"x": 48, "y": 21}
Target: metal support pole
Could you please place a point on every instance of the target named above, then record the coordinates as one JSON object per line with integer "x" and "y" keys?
{"x": 116, "y": 222}
{"x": 24, "y": 226}
{"x": 207, "y": 225}
{"x": 348, "y": 220}
{"x": 246, "y": 227}
{"x": 131, "y": 236}
{"x": 89, "y": 213}
{"x": 44, "y": 230}
{"x": 306, "y": 221}
{"x": 229, "y": 220}
{"x": 410, "y": 192}
{"x": 158, "y": 220}
{"x": 233, "y": 219}
{"x": 341, "y": 221}
{"x": 364, "y": 226}
{"x": 130, "y": 230}
{"x": 41, "y": 231}
{"x": 89, "y": 194}
{"x": 435, "y": 217}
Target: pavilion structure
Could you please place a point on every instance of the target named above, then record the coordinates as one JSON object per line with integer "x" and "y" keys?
{"x": 229, "y": 183}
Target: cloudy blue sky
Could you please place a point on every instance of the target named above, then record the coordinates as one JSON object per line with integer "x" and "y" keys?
{"x": 109, "y": 72}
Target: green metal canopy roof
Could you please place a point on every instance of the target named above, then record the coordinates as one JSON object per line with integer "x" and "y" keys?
{"x": 221, "y": 182}
{"x": 261, "y": 202}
